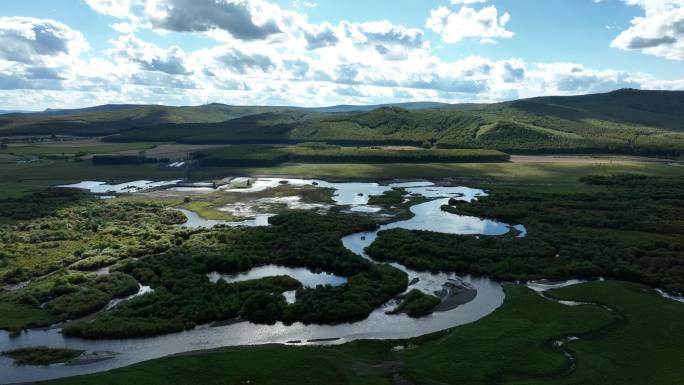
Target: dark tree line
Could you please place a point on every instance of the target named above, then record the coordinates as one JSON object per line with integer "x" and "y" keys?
{"x": 633, "y": 230}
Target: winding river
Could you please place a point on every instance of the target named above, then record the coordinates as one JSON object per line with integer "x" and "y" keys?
{"x": 487, "y": 295}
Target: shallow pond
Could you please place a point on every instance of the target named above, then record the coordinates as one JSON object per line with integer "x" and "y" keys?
{"x": 303, "y": 275}
{"x": 96, "y": 187}
{"x": 195, "y": 221}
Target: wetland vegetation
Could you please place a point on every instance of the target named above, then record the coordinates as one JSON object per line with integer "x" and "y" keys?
{"x": 417, "y": 304}
{"x": 126, "y": 268}
{"x": 54, "y": 242}
{"x": 513, "y": 345}
{"x": 137, "y": 241}
{"x": 41, "y": 355}
{"x": 185, "y": 297}
{"x": 630, "y": 229}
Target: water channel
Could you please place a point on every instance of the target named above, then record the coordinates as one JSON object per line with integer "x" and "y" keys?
{"x": 484, "y": 295}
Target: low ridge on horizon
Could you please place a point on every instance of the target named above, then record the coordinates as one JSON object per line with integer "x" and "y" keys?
{"x": 331, "y": 108}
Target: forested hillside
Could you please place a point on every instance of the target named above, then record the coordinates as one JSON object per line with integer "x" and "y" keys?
{"x": 624, "y": 121}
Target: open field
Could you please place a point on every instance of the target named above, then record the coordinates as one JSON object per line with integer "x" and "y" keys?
{"x": 87, "y": 147}
{"x": 609, "y": 348}
{"x": 249, "y": 155}
{"x": 21, "y": 178}
{"x": 268, "y": 365}
{"x": 540, "y": 176}
{"x": 589, "y": 159}
{"x": 514, "y": 345}
{"x": 80, "y": 148}
{"x": 560, "y": 174}
{"x": 170, "y": 151}
{"x": 645, "y": 349}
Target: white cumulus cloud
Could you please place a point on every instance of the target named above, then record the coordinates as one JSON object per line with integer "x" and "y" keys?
{"x": 30, "y": 40}
{"x": 260, "y": 53}
{"x": 659, "y": 32}
{"x": 484, "y": 24}
{"x": 149, "y": 56}
{"x": 115, "y": 8}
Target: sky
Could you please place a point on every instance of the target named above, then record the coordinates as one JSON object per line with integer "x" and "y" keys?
{"x": 77, "y": 53}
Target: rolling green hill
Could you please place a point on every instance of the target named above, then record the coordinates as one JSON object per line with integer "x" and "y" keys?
{"x": 111, "y": 119}
{"x": 386, "y": 125}
{"x": 623, "y": 121}
{"x": 663, "y": 109}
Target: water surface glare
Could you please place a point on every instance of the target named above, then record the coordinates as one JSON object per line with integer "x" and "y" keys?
{"x": 195, "y": 221}
{"x": 303, "y": 275}
{"x": 96, "y": 187}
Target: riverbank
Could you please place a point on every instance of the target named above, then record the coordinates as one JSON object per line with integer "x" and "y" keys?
{"x": 513, "y": 344}
{"x": 454, "y": 294}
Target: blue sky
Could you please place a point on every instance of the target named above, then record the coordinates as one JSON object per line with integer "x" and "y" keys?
{"x": 74, "y": 53}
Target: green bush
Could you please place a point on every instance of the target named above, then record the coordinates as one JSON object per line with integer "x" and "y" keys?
{"x": 42, "y": 355}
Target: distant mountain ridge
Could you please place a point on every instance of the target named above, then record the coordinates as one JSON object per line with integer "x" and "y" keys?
{"x": 101, "y": 108}
{"x": 625, "y": 121}
{"x": 361, "y": 108}
{"x": 664, "y": 109}
{"x": 7, "y": 112}
{"x": 128, "y": 107}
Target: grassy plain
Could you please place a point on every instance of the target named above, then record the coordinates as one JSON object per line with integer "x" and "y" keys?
{"x": 515, "y": 341}
{"x": 81, "y": 147}
{"x": 171, "y": 151}
{"x": 646, "y": 349}
{"x": 268, "y": 365}
{"x": 251, "y": 155}
{"x": 561, "y": 175}
{"x": 513, "y": 345}
{"x": 18, "y": 179}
